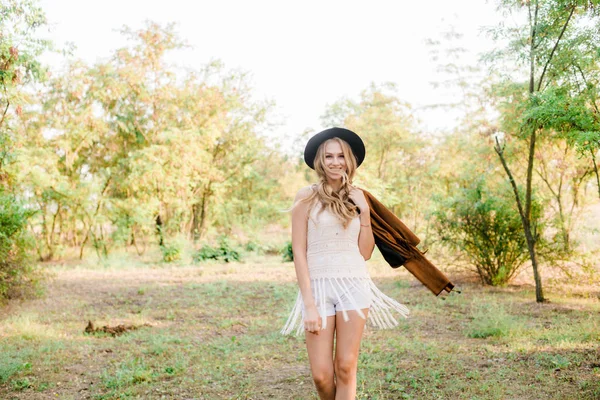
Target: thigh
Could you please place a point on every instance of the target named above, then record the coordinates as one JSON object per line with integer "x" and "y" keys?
{"x": 348, "y": 335}
{"x": 357, "y": 295}
{"x": 320, "y": 348}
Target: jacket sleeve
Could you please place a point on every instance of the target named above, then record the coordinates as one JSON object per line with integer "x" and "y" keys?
{"x": 397, "y": 244}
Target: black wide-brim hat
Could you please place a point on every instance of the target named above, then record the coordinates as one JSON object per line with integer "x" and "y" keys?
{"x": 355, "y": 142}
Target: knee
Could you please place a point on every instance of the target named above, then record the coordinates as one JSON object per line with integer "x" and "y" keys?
{"x": 345, "y": 369}
{"x": 323, "y": 377}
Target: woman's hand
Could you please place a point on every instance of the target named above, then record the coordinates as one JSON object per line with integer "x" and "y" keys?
{"x": 358, "y": 197}
{"x": 312, "y": 320}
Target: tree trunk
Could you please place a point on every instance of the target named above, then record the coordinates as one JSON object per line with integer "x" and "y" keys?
{"x": 93, "y": 218}
{"x": 199, "y": 211}
{"x": 203, "y": 212}
{"x": 159, "y": 231}
{"x": 526, "y": 215}
{"x": 596, "y": 170}
{"x": 195, "y": 228}
{"x": 531, "y": 240}
{"x": 53, "y": 229}
{"x": 380, "y": 169}
{"x": 134, "y": 243}
{"x": 525, "y": 220}
{"x": 83, "y": 242}
{"x": 539, "y": 292}
{"x": 563, "y": 221}
{"x": 46, "y": 236}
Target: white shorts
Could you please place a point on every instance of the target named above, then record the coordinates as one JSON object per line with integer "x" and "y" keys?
{"x": 332, "y": 296}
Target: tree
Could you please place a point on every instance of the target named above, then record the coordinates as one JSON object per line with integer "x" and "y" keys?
{"x": 131, "y": 146}
{"x": 19, "y": 65}
{"x": 541, "y": 47}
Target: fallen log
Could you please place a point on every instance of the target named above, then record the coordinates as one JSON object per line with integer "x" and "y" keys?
{"x": 112, "y": 330}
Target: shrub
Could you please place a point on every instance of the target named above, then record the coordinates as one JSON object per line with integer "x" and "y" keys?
{"x": 170, "y": 253}
{"x": 18, "y": 277}
{"x": 224, "y": 251}
{"x": 254, "y": 247}
{"x": 486, "y": 227}
{"x": 287, "y": 253}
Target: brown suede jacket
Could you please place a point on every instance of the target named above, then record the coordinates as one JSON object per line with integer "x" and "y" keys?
{"x": 398, "y": 244}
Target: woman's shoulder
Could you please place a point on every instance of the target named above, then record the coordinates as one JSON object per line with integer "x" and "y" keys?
{"x": 305, "y": 192}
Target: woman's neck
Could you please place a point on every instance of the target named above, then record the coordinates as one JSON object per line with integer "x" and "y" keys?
{"x": 335, "y": 185}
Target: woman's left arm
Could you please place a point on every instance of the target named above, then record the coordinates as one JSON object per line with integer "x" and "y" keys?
{"x": 366, "y": 241}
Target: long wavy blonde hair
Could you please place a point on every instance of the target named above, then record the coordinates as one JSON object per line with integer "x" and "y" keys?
{"x": 338, "y": 202}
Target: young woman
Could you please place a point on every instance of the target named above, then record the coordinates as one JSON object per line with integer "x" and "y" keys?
{"x": 331, "y": 240}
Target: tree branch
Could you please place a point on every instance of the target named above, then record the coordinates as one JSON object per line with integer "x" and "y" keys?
{"x": 532, "y": 47}
{"x": 596, "y": 170}
{"x": 587, "y": 83}
{"x": 555, "y": 47}
{"x": 500, "y": 152}
{"x": 7, "y": 103}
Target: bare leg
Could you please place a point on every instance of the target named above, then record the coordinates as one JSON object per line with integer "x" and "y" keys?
{"x": 348, "y": 337}
{"x": 320, "y": 355}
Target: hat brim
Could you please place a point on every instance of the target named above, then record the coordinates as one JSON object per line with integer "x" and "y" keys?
{"x": 353, "y": 140}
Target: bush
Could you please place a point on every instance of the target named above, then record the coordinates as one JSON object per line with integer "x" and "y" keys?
{"x": 287, "y": 253}
{"x": 170, "y": 253}
{"x": 253, "y": 247}
{"x": 225, "y": 252}
{"x": 486, "y": 227}
{"x": 18, "y": 277}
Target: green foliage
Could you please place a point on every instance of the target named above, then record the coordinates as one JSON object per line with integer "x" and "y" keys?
{"x": 253, "y": 247}
{"x": 287, "y": 252}
{"x": 19, "y": 52}
{"x": 224, "y": 251}
{"x": 262, "y": 248}
{"x": 171, "y": 252}
{"x": 485, "y": 226}
{"x": 18, "y": 276}
{"x": 559, "y": 110}
{"x": 133, "y": 139}
{"x": 19, "y": 49}
{"x": 21, "y": 384}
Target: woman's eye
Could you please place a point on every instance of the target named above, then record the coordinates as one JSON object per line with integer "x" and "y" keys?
{"x": 342, "y": 156}
{"x": 327, "y": 156}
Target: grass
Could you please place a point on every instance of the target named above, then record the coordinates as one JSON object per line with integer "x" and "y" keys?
{"x": 214, "y": 334}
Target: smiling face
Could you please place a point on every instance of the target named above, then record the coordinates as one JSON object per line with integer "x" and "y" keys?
{"x": 335, "y": 155}
{"x": 334, "y": 160}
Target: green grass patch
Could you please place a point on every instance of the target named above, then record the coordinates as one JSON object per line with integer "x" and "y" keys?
{"x": 490, "y": 319}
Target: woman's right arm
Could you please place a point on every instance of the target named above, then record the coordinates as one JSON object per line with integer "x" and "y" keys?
{"x": 312, "y": 321}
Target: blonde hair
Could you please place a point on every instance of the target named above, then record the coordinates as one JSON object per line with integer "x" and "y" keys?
{"x": 337, "y": 202}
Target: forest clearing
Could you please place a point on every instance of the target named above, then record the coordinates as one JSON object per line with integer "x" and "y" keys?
{"x": 149, "y": 162}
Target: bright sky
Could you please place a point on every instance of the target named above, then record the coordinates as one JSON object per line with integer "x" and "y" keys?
{"x": 303, "y": 55}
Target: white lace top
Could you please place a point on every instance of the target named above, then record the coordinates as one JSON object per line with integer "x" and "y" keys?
{"x": 334, "y": 260}
{"x": 331, "y": 250}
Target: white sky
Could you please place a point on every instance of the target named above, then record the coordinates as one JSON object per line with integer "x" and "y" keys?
{"x": 303, "y": 55}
